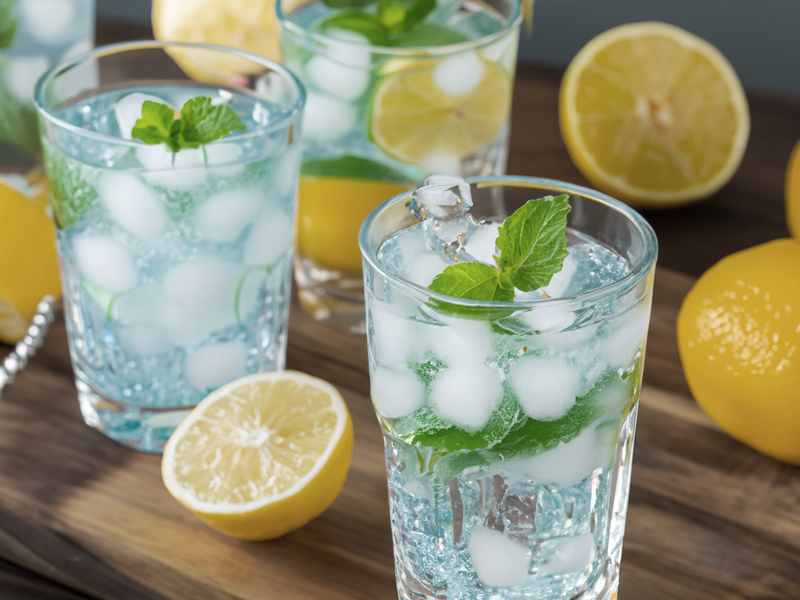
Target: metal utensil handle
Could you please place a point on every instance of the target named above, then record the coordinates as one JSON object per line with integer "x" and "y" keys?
{"x": 27, "y": 346}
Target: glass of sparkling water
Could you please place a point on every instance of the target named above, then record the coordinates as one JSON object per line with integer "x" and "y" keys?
{"x": 34, "y": 35}
{"x": 508, "y": 426}
{"x": 380, "y": 117}
{"x": 175, "y": 267}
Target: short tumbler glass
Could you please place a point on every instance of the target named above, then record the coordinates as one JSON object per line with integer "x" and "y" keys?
{"x": 509, "y": 426}
{"x": 175, "y": 267}
{"x": 380, "y": 118}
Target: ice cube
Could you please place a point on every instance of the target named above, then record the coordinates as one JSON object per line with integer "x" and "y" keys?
{"x": 503, "y": 51}
{"x": 327, "y": 118}
{"x": 460, "y": 342}
{"x": 441, "y": 162}
{"x": 105, "y": 262}
{"x": 460, "y": 74}
{"x": 567, "y": 464}
{"x": 251, "y": 292}
{"x": 223, "y": 217}
{"x": 545, "y": 387}
{"x": 49, "y": 22}
{"x": 546, "y": 318}
{"x": 178, "y": 171}
{"x": 396, "y": 394}
{"x": 269, "y": 239}
{"x": 626, "y": 337}
{"x": 128, "y": 110}
{"x": 200, "y": 298}
{"x": 21, "y": 75}
{"x": 481, "y": 244}
{"x": 144, "y": 339}
{"x": 343, "y": 70}
{"x": 424, "y": 268}
{"x": 395, "y": 339}
{"x": 139, "y": 305}
{"x": 211, "y": 366}
{"x": 572, "y": 555}
{"x": 561, "y": 280}
{"x": 441, "y": 198}
{"x": 131, "y": 204}
{"x": 498, "y": 561}
{"x": 221, "y": 153}
{"x": 466, "y": 396}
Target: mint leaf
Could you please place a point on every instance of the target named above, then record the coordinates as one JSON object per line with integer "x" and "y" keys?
{"x": 155, "y": 124}
{"x": 202, "y": 122}
{"x": 364, "y": 23}
{"x": 429, "y": 34}
{"x": 401, "y": 15}
{"x": 347, "y": 3}
{"x": 532, "y": 242}
{"x": 471, "y": 280}
{"x": 8, "y": 25}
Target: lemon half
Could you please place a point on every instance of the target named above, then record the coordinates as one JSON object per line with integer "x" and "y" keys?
{"x": 654, "y": 115}
{"x": 261, "y": 456}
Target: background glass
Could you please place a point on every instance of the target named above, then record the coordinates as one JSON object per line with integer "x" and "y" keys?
{"x": 381, "y": 118}
{"x": 175, "y": 267}
{"x": 526, "y": 505}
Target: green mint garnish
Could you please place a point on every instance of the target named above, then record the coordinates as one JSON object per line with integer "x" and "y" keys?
{"x": 200, "y": 123}
{"x": 8, "y": 25}
{"x": 533, "y": 246}
{"x": 392, "y": 22}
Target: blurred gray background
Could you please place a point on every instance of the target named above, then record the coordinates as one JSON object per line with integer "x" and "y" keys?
{"x": 761, "y": 38}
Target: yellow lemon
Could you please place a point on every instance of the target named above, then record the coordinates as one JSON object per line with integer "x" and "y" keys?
{"x": 418, "y": 112}
{"x": 249, "y": 25}
{"x": 739, "y": 341}
{"x": 28, "y": 264}
{"x": 654, "y": 115}
{"x": 261, "y": 456}
{"x": 793, "y": 193}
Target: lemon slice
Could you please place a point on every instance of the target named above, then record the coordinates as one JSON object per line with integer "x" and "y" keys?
{"x": 28, "y": 263}
{"x": 654, "y": 115}
{"x": 435, "y": 109}
{"x": 262, "y": 455}
{"x": 793, "y": 193}
{"x": 249, "y": 25}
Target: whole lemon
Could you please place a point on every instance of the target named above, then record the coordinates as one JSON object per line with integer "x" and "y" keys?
{"x": 739, "y": 342}
{"x": 28, "y": 264}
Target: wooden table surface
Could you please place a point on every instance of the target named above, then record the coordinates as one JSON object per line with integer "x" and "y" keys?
{"x": 82, "y": 517}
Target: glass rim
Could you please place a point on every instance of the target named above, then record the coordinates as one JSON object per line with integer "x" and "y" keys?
{"x": 627, "y": 282}
{"x": 420, "y": 52}
{"x": 49, "y": 76}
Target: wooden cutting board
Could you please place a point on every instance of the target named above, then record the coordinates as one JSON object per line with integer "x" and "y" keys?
{"x": 709, "y": 518}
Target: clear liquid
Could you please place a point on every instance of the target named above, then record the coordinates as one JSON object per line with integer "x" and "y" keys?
{"x": 176, "y": 276}
{"x": 522, "y": 495}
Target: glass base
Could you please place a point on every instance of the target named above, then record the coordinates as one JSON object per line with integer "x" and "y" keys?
{"x": 336, "y": 297}
{"x": 138, "y": 427}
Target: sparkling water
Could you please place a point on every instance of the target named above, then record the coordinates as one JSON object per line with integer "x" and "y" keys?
{"x": 508, "y": 436}
{"x": 175, "y": 267}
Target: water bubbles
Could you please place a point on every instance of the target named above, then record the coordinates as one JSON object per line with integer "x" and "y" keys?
{"x": 498, "y": 560}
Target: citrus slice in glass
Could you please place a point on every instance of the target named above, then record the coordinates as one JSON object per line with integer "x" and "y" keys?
{"x": 654, "y": 115}
{"x": 449, "y": 107}
{"x": 261, "y": 456}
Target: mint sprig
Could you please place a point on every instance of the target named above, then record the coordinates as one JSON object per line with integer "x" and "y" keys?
{"x": 533, "y": 246}
{"x": 392, "y": 23}
{"x": 8, "y": 25}
{"x": 200, "y": 123}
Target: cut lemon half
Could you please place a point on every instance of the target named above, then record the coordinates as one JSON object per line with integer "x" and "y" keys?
{"x": 793, "y": 193}
{"x": 249, "y": 25}
{"x": 654, "y": 115}
{"x": 261, "y": 456}
{"x": 436, "y": 110}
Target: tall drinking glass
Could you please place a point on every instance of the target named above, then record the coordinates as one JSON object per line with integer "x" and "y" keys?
{"x": 380, "y": 117}
{"x": 175, "y": 267}
{"x": 508, "y": 426}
